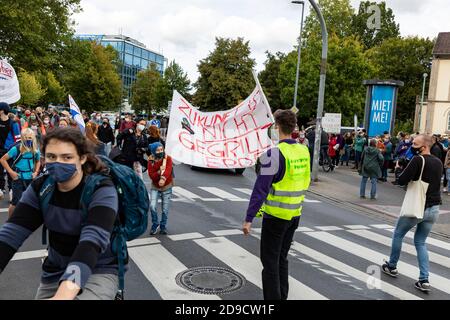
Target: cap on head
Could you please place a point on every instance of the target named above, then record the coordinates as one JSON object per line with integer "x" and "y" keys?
{"x": 5, "y": 107}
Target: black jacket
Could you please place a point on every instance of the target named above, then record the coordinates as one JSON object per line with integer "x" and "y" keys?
{"x": 106, "y": 135}
{"x": 128, "y": 143}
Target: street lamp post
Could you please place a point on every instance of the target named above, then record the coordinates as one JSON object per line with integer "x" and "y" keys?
{"x": 299, "y": 51}
{"x": 425, "y": 75}
{"x": 323, "y": 72}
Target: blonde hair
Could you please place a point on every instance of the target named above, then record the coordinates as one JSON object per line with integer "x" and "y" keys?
{"x": 23, "y": 147}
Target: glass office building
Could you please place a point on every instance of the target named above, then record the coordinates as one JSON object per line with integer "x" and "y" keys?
{"x": 133, "y": 54}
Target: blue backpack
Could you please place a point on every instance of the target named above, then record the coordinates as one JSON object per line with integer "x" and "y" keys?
{"x": 132, "y": 219}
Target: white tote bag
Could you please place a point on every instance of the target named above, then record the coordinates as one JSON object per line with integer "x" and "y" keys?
{"x": 414, "y": 202}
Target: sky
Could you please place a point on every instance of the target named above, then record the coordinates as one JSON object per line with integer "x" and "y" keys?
{"x": 185, "y": 30}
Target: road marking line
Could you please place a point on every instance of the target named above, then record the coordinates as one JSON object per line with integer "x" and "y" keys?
{"x": 181, "y": 192}
{"x": 142, "y": 242}
{"x": 329, "y": 228}
{"x": 332, "y": 273}
{"x": 303, "y": 229}
{"x": 381, "y": 226}
{"x": 231, "y": 232}
{"x": 434, "y": 257}
{"x": 244, "y": 190}
{"x": 309, "y": 261}
{"x": 432, "y": 241}
{"x": 4, "y": 209}
{"x": 29, "y": 255}
{"x": 352, "y": 272}
{"x": 311, "y": 201}
{"x": 377, "y": 258}
{"x": 186, "y": 236}
{"x": 357, "y": 227}
{"x": 160, "y": 267}
{"x": 250, "y": 266}
{"x": 222, "y": 194}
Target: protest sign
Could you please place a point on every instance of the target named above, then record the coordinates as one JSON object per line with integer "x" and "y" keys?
{"x": 9, "y": 84}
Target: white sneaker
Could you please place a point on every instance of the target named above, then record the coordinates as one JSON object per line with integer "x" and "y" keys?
{"x": 2, "y": 196}
{"x": 445, "y": 190}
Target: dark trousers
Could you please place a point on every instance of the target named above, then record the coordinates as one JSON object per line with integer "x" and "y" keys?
{"x": 276, "y": 238}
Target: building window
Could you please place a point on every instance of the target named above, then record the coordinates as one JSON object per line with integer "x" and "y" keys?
{"x": 137, "y": 62}
{"x": 120, "y": 46}
{"x": 144, "y": 64}
{"x": 137, "y": 52}
{"x": 128, "y": 48}
{"x": 128, "y": 59}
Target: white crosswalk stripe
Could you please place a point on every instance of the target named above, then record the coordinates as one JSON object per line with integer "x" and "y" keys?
{"x": 377, "y": 258}
{"x": 160, "y": 267}
{"x": 223, "y": 194}
{"x": 250, "y": 266}
{"x": 157, "y": 260}
{"x": 434, "y": 257}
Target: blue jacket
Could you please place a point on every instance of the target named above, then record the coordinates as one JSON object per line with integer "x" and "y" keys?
{"x": 13, "y": 136}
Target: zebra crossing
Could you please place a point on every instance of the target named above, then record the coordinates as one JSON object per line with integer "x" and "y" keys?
{"x": 181, "y": 194}
{"x": 356, "y": 249}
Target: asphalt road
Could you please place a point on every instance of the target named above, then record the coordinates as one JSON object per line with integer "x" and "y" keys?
{"x": 336, "y": 252}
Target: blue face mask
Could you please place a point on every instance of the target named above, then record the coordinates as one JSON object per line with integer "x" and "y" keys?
{"x": 61, "y": 172}
{"x": 28, "y": 143}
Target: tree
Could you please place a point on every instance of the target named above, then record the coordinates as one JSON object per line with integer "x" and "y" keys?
{"x": 338, "y": 16}
{"x": 347, "y": 67}
{"x": 31, "y": 90}
{"x": 404, "y": 59}
{"x": 371, "y": 37}
{"x": 268, "y": 78}
{"x": 174, "y": 79}
{"x": 92, "y": 79}
{"x": 225, "y": 75}
{"x": 55, "y": 93}
{"x": 33, "y": 32}
{"x": 145, "y": 90}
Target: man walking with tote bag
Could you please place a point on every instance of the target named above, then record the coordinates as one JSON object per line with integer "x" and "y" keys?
{"x": 430, "y": 173}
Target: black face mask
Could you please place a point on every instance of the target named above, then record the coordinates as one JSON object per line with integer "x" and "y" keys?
{"x": 416, "y": 151}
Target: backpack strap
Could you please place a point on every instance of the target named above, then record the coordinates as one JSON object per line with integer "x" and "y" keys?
{"x": 19, "y": 157}
{"x": 45, "y": 194}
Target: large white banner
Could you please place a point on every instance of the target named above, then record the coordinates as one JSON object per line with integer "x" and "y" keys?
{"x": 223, "y": 139}
{"x": 9, "y": 84}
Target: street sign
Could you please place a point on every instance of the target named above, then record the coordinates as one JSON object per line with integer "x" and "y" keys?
{"x": 294, "y": 109}
{"x": 331, "y": 122}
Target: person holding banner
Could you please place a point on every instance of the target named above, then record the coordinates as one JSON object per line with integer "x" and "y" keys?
{"x": 160, "y": 171}
{"x": 277, "y": 196}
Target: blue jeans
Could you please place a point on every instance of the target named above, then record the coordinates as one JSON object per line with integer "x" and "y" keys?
{"x": 373, "y": 190}
{"x": 404, "y": 224}
{"x": 165, "y": 198}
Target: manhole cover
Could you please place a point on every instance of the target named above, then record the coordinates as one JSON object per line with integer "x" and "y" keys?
{"x": 210, "y": 280}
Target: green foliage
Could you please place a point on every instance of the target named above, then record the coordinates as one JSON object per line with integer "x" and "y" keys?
{"x": 347, "y": 67}
{"x": 91, "y": 77}
{"x": 404, "y": 59}
{"x": 269, "y": 79}
{"x": 372, "y": 37}
{"x": 403, "y": 126}
{"x": 225, "y": 76}
{"x": 338, "y": 15}
{"x": 174, "y": 79}
{"x": 31, "y": 90}
{"x": 33, "y": 32}
{"x": 145, "y": 91}
{"x": 55, "y": 93}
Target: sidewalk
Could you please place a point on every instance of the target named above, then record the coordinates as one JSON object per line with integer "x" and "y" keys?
{"x": 343, "y": 185}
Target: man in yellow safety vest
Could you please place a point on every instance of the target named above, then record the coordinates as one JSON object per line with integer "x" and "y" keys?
{"x": 277, "y": 196}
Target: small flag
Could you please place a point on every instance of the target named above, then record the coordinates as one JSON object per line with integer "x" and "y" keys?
{"x": 76, "y": 114}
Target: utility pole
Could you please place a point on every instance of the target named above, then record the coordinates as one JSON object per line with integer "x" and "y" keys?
{"x": 299, "y": 51}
